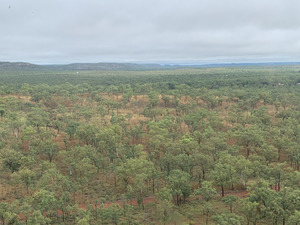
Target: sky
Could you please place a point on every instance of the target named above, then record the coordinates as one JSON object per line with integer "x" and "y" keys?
{"x": 149, "y": 31}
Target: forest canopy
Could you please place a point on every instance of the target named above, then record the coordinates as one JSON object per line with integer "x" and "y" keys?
{"x": 167, "y": 146}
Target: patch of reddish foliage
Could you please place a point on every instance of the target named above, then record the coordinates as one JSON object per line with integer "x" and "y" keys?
{"x": 132, "y": 202}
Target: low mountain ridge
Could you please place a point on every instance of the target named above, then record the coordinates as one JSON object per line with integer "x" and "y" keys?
{"x": 24, "y": 66}
{"x": 19, "y": 66}
{"x": 4, "y": 66}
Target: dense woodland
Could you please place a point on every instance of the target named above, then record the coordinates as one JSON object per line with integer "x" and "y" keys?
{"x": 185, "y": 146}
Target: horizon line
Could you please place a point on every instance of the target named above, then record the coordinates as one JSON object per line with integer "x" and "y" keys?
{"x": 170, "y": 63}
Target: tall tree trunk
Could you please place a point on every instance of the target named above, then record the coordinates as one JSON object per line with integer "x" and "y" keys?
{"x": 206, "y": 219}
{"x": 222, "y": 190}
{"x": 279, "y": 151}
{"x": 153, "y": 185}
{"x": 248, "y": 153}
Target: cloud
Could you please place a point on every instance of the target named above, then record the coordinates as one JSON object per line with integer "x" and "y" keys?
{"x": 149, "y": 31}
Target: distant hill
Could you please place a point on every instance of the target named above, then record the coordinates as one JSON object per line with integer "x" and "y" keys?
{"x": 23, "y": 66}
{"x": 250, "y": 64}
{"x": 105, "y": 66}
{"x": 7, "y": 66}
{"x": 19, "y": 66}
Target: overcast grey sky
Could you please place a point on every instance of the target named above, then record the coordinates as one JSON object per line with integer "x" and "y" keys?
{"x": 163, "y": 31}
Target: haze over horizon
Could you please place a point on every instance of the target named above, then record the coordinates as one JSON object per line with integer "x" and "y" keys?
{"x": 157, "y": 31}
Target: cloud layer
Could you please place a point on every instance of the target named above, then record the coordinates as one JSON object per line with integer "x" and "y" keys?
{"x": 180, "y": 31}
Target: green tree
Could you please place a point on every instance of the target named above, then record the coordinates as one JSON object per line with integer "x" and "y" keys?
{"x": 165, "y": 209}
{"x": 53, "y": 180}
{"x": 196, "y": 121}
{"x": 38, "y": 118}
{"x": 267, "y": 200}
{"x": 71, "y": 129}
{"x": 11, "y": 159}
{"x": 244, "y": 168}
{"x": 24, "y": 176}
{"x": 87, "y": 133}
{"x": 206, "y": 191}
{"x": 251, "y": 138}
{"x": 45, "y": 202}
{"x": 79, "y": 166}
{"x": 136, "y": 173}
{"x": 250, "y": 209}
{"x": 224, "y": 172}
{"x": 127, "y": 96}
{"x": 179, "y": 183}
{"x": 153, "y": 99}
{"x": 228, "y": 219}
{"x": 203, "y": 164}
{"x": 230, "y": 200}
{"x": 3, "y": 210}
{"x": 108, "y": 141}
{"x": 84, "y": 221}
{"x": 166, "y": 99}
{"x": 294, "y": 219}
{"x": 38, "y": 219}
{"x": 114, "y": 213}
{"x": 28, "y": 134}
{"x": 207, "y": 210}
{"x": 288, "y": 200}
{"x": 26, "y": 208}
{"x": 48, "y": 148}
